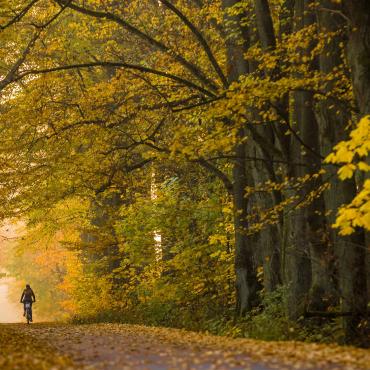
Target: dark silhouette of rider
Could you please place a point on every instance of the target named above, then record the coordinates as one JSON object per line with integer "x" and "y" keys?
{"x": 28, "y": 296}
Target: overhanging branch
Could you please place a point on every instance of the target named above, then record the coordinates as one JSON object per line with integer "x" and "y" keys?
{"x": 201, "y": 40}
{"x": 12, "y": 74}
{"x": 143, "y": 69}
{"x": 150, "y": 40}
{"x": 19, "y": 16}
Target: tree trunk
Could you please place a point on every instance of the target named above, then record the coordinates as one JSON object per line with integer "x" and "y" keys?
{"x": 352, "y": 257}
{"x": 320, "y": 250}
{"x": 245, "y": 266}
{"x": 308, "y": 268}
{"x": 270, "y": 235}
{"x": 358, "y": 50}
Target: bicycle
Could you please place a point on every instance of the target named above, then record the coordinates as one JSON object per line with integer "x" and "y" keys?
{"x": 28, "y": 308}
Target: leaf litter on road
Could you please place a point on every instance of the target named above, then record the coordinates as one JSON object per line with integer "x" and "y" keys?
{"x": 127, "y": 347}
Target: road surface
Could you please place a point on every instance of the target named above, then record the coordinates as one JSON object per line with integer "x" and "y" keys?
{"x": 134, "y": 347}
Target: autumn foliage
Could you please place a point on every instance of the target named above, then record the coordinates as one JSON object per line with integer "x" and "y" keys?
{"x": 199, "y": 164}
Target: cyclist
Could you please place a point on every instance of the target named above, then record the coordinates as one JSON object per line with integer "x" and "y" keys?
{"x": 28, "y": 296}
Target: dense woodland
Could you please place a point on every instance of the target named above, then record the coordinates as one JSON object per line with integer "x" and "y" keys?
{"x": 190, "y": 163}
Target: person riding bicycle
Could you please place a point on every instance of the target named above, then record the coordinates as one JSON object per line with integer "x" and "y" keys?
{"x": 28, "y": 296}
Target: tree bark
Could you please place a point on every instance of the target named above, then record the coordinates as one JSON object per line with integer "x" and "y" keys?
{"x": 320, "y": 251}
{"x": 307, "y": 263}
{"x": 358, "y": 50}
{"x": 270, "y": 238}
{"x": 352, "y": 257}
{"x": 245, "y": 266}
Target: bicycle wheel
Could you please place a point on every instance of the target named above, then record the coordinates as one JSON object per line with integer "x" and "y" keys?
{"x": 28, "y": 314}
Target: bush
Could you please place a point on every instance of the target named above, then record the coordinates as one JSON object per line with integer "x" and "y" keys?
{"x": 267, "y": 322}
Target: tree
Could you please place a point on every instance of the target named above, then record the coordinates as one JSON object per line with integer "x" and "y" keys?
{"x": 252, "y": 94}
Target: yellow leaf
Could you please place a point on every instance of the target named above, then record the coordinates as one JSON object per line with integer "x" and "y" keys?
{"x": 346, "y": 172}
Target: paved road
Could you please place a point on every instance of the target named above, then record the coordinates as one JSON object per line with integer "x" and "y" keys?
{"x": 132, "y": 347}
{"x": 119, "y": 347}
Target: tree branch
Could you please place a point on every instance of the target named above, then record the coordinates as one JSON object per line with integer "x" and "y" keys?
{"x": 118, "y": 65}
{"x": 201, "y": 40}
{"x": 285, "y": 116}
{"x": 157, "y": 44}
{"x": 216, "y": 171}
{"x": 52, "y": 19}
{"x": 200, "y": 104}
{"x": 12, "y": 74}
{"x": 20, "y": 15}
{"x": 264, "y": 143}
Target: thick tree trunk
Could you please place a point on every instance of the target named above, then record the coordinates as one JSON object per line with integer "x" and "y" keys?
{"x": 263, "y": 170}
{"x": 270, "y": 242}
{"x": 245, "y": 267}
{"x": 320, "y": 250}
{"x": 307, "y": 262}
{"x": 332, "y": 123}
{"x": 358, "y": 50}
{"x": 296, "y": 259}
{"x": 269, "y": 236}
{"x": 264, "y": 24}
{"x": 272, "y": 236}
{"x": 351, "y": 251}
